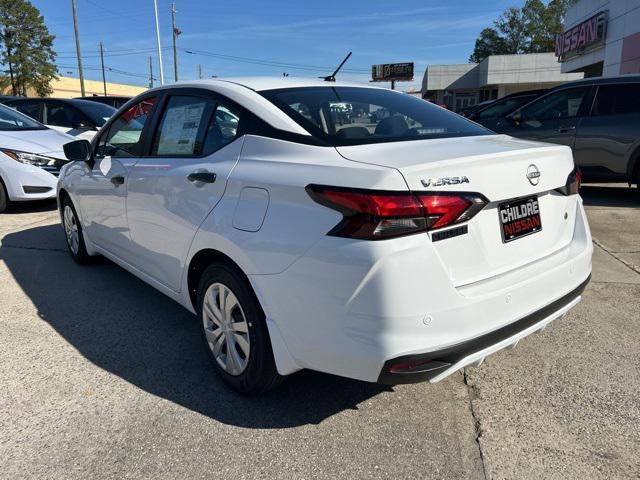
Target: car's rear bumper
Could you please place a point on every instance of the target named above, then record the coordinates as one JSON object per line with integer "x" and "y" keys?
{"x": 437, "y": 365}
{"x": 349, "y": 308}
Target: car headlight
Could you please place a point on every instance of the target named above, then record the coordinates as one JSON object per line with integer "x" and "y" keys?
{"x": 29, "y": 158}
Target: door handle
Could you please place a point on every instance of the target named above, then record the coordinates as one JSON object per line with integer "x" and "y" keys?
{"x": 205, "y": 177}
{"x": 566, "y": 129}
{"x": 117, "y": 180}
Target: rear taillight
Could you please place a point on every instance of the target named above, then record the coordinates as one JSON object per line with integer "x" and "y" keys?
{"x": 572, "y": 186}
{"x": 376, "y": 215}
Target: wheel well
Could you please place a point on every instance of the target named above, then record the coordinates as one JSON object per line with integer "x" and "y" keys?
{"x": 635, "y": 172}
{"x": 61, "y": 196}
{"x": 199, "y": 263}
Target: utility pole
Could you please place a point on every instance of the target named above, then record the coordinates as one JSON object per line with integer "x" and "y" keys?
{"x": 199, "y": 71}
{"x": 150, "y": 72}
{"x": 104, "y": 80}
{"x": 155, "y": 9}
{"x": 175, "y": 32}
{"x": 75, "y": 29}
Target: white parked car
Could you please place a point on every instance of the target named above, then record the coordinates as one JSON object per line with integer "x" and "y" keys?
{"x": 76, "y": 117}
{"x": 395, "y": 251}
{"x": 30, "y": 158}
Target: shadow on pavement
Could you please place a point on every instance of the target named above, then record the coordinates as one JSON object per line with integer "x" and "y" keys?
{"x": 32, "y": 206}
{"x": 129, "y": 329}
{"x": 610, "y": 196}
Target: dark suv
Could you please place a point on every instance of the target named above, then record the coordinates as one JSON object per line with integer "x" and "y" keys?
{"x": 599, "y": 118}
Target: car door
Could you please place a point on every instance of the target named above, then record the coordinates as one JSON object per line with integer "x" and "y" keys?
{"x": 170, "y": 192}
{"x": 551, "y": 118}
{"x": 68, "y": 119}
{"x": 102, "y": 190}
{"x": 608, "y": 137}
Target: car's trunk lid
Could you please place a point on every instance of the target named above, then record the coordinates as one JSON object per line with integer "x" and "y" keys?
{"x": 496, "y": 167}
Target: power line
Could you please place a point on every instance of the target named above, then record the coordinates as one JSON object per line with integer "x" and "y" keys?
{"x": 271, "y": 63}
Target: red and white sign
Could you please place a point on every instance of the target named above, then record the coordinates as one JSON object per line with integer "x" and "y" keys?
{"x": 585, "y": 34}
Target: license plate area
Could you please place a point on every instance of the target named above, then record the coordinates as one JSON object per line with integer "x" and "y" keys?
{"x": 519, "y": 218}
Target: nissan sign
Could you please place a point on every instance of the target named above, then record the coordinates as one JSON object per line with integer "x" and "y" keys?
{"x": 392, "y": 71}
{"x": 586, "y": 34}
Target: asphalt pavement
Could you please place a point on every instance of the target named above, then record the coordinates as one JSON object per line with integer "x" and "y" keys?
{"x": 104, "y": 377}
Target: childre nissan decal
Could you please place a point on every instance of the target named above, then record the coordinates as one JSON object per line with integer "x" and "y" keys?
{"x": 438, "y": 182}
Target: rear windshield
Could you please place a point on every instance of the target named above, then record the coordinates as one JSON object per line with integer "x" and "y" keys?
{"x": 355, "y": 116}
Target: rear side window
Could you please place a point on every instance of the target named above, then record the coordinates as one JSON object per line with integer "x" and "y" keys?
{"x": 617, "y": 99}
{"x": 124, "y": 138}
{"x": 354, "y": 116}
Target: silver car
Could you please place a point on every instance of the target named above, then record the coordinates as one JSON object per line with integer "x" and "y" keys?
{"x": 599, "y": 118}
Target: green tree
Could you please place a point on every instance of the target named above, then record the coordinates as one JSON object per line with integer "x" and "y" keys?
{"x": 530, "y": 29}
{"x": 26, "y": 48}
{"x": 488, "y": 43}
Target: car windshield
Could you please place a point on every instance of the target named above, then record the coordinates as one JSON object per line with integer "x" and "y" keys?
{"x": 99, "y": 113}
{"x": 355, "y": 116}
{"x": 11, "y": 120}
{"x": 504, "y": 107}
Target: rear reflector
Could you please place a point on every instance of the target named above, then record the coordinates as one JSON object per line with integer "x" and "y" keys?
{"x": 376, "y": 215}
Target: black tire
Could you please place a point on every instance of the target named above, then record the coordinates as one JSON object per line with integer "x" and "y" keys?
{"x": 259, "y": 374}
{"x": 4, "y": 197}
{"x": 79, "y": 253}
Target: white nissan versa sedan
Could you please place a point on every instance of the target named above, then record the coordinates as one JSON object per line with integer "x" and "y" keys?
{"x": 30, "y": 158}
{"x": 386, "y": 248}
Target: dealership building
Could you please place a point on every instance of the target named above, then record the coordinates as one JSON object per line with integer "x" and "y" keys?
{"x": 601, "y": 38}
{"x": 462, "y": 85}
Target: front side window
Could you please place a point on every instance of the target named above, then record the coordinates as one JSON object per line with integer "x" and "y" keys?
{"x": 617, "y": 99}
{"x": 124, "y": 138}
{"x": 503, "y": 107}
{"x": 61, "y": 115}
{"x": 558, "y": 105}
{"x": 355, "y": 116}
{"x": 10, "y": 120}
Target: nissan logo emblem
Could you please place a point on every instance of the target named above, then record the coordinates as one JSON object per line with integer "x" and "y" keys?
{"x": 533, "y": 175}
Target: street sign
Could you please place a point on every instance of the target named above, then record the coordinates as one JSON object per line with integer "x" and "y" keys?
{"x": 388, "y": 72}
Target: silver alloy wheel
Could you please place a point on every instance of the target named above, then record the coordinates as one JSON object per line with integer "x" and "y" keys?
{"x": 71, "y": 229}
{"x": 226, "y": 329}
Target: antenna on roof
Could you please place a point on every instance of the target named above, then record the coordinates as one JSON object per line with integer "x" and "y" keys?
{"x": 332, "y": 77}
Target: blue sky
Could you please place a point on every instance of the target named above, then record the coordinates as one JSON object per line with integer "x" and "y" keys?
{"x": 246, "y": 37}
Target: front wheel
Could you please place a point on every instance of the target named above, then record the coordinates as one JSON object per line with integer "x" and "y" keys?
{"x": 235, "y": 331}
{"x": 4, "y": 197}
{"x": 73, "y": 233}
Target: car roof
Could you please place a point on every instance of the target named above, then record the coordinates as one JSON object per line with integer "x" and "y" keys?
{"x": 73, "y": 101}
{"x": 601, "y": 80}
{"x": 260, "y": 84}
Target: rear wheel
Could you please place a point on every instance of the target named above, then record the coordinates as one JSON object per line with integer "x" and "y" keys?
{"x": 235, "y": 331}
{"x": 73, "y": 232}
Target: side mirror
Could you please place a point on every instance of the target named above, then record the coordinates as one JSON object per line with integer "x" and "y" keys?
{"x": 78, "y": 151}
{"x": 516, "y": 118}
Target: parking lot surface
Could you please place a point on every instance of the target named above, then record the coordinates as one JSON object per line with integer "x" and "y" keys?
{"x": 104, "y": 377}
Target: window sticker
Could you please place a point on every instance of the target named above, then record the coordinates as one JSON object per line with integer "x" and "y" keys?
{"x": 180, "y": 129}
